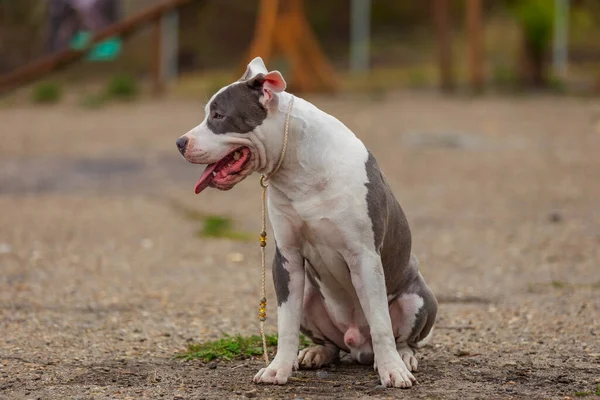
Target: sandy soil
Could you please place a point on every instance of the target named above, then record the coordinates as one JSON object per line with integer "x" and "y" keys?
{"x": 103, "y": 280}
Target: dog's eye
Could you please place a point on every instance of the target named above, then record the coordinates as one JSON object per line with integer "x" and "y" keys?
{"x": 216, "y": 115}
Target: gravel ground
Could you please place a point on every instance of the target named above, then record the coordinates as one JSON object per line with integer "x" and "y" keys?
{"x": 103, "y": 280}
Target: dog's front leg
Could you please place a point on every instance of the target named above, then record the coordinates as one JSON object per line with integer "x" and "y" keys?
{"x": 367, "y": 278}
{"x": 288, "y": 277}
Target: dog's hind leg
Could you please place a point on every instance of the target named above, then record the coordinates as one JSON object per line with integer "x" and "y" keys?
{"x": 413, "y": 315}
{"x": 314, "y": 357}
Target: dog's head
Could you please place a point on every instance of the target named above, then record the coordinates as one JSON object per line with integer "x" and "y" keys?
{"x": 231, "y": 139}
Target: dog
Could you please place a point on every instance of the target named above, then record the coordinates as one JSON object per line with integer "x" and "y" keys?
{"x": 343, "y": 270}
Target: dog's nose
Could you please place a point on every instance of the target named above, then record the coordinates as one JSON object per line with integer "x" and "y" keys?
{"x": 182, "y": 144}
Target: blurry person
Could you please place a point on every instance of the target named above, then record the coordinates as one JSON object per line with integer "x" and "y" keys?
{"x": 67, "y": 17}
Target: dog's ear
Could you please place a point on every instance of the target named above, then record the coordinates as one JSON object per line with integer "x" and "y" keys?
{"x": 255, "y": 67}
{"x": 274, "y": 82}
{"x": 269, "y": 83}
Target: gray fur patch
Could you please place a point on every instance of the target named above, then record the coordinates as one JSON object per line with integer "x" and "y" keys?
{"x": 237, "y": 109}
{"x": 281, "y": 277}
{"x": 313, "y": 277}
{"x": 390, "y": 229}
{"x": 309, "y": 334}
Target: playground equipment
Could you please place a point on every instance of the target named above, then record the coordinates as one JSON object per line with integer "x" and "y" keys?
{"x": 282, "y": 27}
{"x": 158, "y": 15}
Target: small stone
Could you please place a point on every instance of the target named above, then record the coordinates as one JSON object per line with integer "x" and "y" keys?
{"x": 250, "y": 393}
{"x": 178, "y": 398}
{"x": 238, "y": 392}
{"x": 322, "y": 374}
{"x": 212, "y": 365}
{"x": 555, "y": 217}
{"x": 235, "y": 257}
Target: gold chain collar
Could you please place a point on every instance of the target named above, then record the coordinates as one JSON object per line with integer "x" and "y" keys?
{"x": 262, "y": 308}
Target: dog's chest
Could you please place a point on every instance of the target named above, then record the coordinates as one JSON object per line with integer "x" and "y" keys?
{"x": 322, "y": 243}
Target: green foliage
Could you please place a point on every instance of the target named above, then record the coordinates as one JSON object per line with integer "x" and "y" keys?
{"x": 417, "y": 78}
{"x": 588, "y": 392}
{"x": 232, "y": 347}
{"x": 216, "y": 226}
{"x": 581, "y": 23}
{"x": 503, "y": 75}
{"x": 220, "y": 227}
{"x": 557, "y": 84}
{"x": 47, "y": 93}
{"x": 122, "y": 86}
{"x": 537, "y": 19}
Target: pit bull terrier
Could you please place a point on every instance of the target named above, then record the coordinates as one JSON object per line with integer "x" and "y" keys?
{"x": 343, "y": 270}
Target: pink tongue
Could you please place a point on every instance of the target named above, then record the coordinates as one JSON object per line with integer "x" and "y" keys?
{"x": 205, "y": 178}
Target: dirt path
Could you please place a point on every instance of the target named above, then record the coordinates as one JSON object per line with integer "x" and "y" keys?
{"x": 103, "y": 279}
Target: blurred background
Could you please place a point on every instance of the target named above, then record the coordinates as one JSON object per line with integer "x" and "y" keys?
{"x": 483, "y": 115}
{"x": 504, "y": 45}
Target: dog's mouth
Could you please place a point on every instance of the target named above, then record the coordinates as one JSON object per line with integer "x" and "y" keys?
{"x": 224, "y": 172}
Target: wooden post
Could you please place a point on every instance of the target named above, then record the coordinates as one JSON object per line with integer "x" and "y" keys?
{"x": 157, "y": 58}
{"x": 442, "y": 28}
{"x": 170, "y": 43}
{"x": 474, "y": 28}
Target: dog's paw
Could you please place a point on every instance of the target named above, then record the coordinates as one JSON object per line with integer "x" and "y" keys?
{"x": 394, "y": 373}
{"x": 408, "y": 356}
{"x": 314, "y": 357}
{"x": 276, "y": 373}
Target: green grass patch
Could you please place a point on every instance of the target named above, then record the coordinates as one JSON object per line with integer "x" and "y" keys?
{"x": 122, "y": 87}
{"x": 217, "y": 226}
{"x": 47, "y": 93}
{"x": 559, "y": 284}
{"x": 588, "y": 392}
{"x": 231, "y": 348}
{"x": 211, "y": 226}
